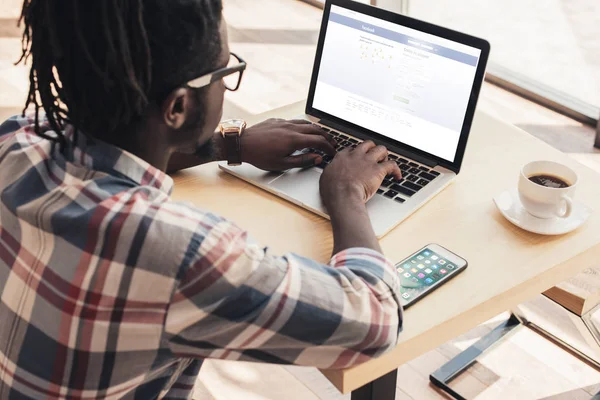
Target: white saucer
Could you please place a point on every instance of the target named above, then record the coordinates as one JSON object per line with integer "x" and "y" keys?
{"x": 510, "y": 206}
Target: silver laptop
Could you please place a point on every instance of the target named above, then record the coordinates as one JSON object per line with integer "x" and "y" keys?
{"x": 403, "y": 83}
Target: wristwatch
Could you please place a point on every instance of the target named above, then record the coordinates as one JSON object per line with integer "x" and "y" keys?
{"x": 232, "y": 130}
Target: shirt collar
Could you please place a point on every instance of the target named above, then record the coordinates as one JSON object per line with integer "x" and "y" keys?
{"x": 101, "y": 156}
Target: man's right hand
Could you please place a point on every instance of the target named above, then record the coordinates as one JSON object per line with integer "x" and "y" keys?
{"x": 356, "y": 174}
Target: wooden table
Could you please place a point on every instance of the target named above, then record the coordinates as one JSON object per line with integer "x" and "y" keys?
{"x": 506, "y": 264}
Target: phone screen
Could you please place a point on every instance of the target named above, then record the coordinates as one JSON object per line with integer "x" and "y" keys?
{"x": 422, "y": 272}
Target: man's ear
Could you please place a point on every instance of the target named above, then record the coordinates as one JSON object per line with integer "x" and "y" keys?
{"x": 176, "y": 108}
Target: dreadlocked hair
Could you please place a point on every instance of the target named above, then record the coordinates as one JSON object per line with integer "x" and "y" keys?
{"x": 99, "y": 64}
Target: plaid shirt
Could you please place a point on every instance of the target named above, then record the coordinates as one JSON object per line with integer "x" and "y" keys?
{"x": 109, "y": 289}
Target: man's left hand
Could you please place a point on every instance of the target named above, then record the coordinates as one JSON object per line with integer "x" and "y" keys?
{"x": 270, "y": 144}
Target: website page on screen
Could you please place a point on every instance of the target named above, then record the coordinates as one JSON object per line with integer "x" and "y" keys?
{"x": 408, "y": 85}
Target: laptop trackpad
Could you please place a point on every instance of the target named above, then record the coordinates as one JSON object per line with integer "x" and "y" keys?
{"x": 302, "y": 185}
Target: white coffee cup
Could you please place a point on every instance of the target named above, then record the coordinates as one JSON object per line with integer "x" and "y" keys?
{"x": 547, "y": 202}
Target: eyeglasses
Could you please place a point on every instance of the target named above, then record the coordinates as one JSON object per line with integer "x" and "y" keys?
{"x": 231, "y": 75}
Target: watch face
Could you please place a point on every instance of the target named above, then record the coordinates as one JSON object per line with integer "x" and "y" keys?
{"x": 232, "y": 124}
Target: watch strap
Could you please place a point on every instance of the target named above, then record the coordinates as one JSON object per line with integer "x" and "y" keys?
{"x": 233, "y": 147}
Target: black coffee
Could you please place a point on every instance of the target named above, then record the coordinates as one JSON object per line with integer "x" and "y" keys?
{"x": 550, "y": 181}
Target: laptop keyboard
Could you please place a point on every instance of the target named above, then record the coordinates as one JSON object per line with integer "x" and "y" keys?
{"x": 414, "y": 176}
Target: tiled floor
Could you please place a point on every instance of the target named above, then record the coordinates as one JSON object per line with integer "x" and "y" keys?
{"x": 13, "y": 80}
{"x": 277, "y": 38}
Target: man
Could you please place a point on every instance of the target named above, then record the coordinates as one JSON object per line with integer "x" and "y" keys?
{"x": 110, "y": 289}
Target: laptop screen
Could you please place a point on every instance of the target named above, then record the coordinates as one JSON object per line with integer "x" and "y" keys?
{"x": 407, "y": 85}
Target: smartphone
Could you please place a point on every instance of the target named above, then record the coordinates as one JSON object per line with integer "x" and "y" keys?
{"x": 425, "y": 271}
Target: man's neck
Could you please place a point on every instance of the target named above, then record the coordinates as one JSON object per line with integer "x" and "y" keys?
{"x": 157, "y": 157}
{"x": 144, "y": 143}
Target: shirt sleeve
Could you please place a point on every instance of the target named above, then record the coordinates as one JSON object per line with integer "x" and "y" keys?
{"x": 236, "y": 301}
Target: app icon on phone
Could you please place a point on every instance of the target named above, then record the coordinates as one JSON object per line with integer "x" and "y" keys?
{"x": 443, "y": 271}
{"x": 407, "y": 274}
{"x": 428, "y": 271}
{"x": 420, "y": 266}
{"x": 420, "y": 257}
{"x": 427, "y": 262}
{"x": 414, "y": 279}
{"x": 427, "y": 253}
{"x": 421, "y": 275}
{"x": 435, "y": 276}
{"x": 405, "y": 295}
{"x": 434, "y": 258}
{"x": 413, "y": 261}
{"x": 406, "y": 266}
{"x": 414, "y": 270}
{"x": 428, "y": 280}
{"x": 450, "y": 266}
{"x": 441, "y": 262}
{"x": 400, "y": 270}
{"x": 434, "y": 266}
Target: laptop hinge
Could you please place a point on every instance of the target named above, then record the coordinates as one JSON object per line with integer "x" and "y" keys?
{"x": 391, "y": 146}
